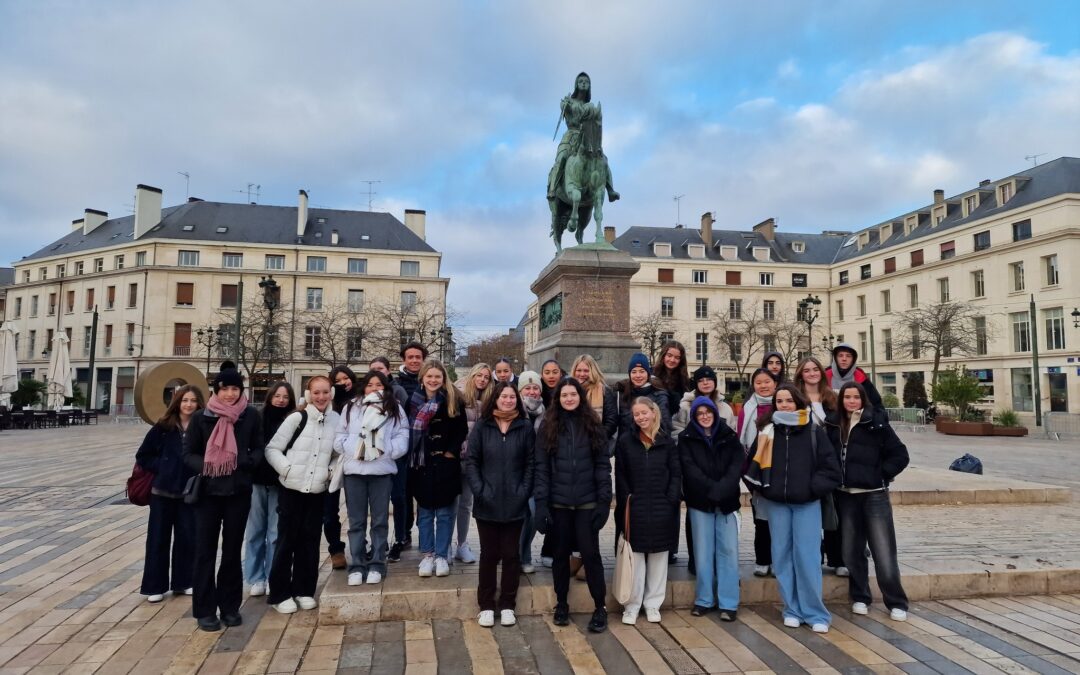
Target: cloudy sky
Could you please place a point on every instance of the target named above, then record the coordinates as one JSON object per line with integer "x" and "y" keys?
{"x": 823, "y": 114}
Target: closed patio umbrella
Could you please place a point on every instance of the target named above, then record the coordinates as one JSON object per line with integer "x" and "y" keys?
{"x": 9, "y": 369}
{"x": 59, "y": 386}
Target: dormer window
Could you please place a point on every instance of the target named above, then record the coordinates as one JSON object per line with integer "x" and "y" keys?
{"x": 971, "y": 202}
{"x": 885, "y": 231}
{"x": 938, "y": 216}
{"x": 864, "y": 239}
{"x": 661, "y": 249}
{"x": 798, "y": 246}
{"x": 762, "y": 253}
{"x": 1005, "y": 192}
{"x": 729, "y": 252}
{"x": 696, "y": 250}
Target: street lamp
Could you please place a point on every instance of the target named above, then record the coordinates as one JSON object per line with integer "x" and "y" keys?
{"x": 827, "y": 342}
{"x": 442, "y": 338}
{"x": 1076, "y": 317}
{"x": 271, "y": 300}
{"x": 207, "y": 337}
{"x": 808, "y": 309}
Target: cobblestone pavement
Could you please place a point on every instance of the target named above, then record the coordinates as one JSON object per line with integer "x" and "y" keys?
{"x": 71, "y": 558}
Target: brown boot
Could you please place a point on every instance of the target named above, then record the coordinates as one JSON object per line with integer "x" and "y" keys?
{"x": 337, "y": 560}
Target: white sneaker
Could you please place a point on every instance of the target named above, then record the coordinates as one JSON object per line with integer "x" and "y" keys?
{"x": 156, "y": 597}
{"x": 486, "y": 618}
{"x": 442, "y": 568}
{"x": 507, "y": 618}
{"x": 792, "y": 622}
{"x": 465, "y": 554}
{"x": 258, "y": 588}
{"x": 860, "y": 608}
{"x": 374, "y": 577}
{"x": 189, "y": 591}
{"x": 546, "y": 561}
{"x": 843, "y": 572}
{"x": 629, "y": 618}
{"x": 528, "y": 569}
{"x": 307, "y": 602}
{"x": 427, "y": 565}
{"x": 286, "y": 606}
{"x": 761, "y": 570}
{"x": 897, "y": 614}
{"x": 356, "y": 578}
{"x": 820, "y": 628}
{"x": 653, "y": 615}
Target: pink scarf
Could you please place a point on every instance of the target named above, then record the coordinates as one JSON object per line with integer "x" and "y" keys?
{"x": 220, "y": 457}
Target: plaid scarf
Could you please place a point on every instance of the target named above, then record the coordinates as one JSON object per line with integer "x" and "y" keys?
{"x": 421, "y": 410}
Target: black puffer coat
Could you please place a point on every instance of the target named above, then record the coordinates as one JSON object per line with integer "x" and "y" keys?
{"x": 625, "y": 393}
{"x": 272, "y": 417}
{"x": 410, "y": 382}
{"x": 573, "y": 475}
{"x": 249, "y": 451}
{"x": 500, "y": 469}
{"x": 651, "y": 479}
{"x": 161, "y": 453}
{"x": 873, "y": 455}
{"x": 438, "y": 482}
{"x": 796, "y": 477}
{"x": 711, "y": 468}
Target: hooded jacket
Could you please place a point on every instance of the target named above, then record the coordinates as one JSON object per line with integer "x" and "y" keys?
{"x": 873, "y": 455}
{"x": 305, "y": 467}
{"x": 859, "y": 376}
{"x": 500, "y": 469}
{"x": 711, "y": 467}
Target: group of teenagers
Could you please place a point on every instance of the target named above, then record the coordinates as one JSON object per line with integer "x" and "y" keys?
{"x": 522, "y": 454}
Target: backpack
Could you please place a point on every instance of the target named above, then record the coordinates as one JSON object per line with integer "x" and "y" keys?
{"x": 968, "y": 464}
{"x": 296, "y": 434}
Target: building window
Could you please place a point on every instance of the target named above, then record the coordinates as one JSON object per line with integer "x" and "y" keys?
{"x": 1021, "y": 230}
{"x": 948, "y": 250}
{"x": 1021, "y": 330}
{"x": 108, "y": 339}
{"x": 913, "y": 295}
{"x": 1050, "y": 264}
{"x": 978, "y": 284}
{"x": 86, "y": 341}
{"x": 89, "y": 301}
{"x": 275, "y": 262}
{"x": 734, "y": 309}
{"x": 1055, "y": 328}
{"x": 31, "y": 345}
{"x": 140, "y": 259}
{"x": 1022, "y": 388}
{"x": 701, "y": 347}
{"x": 860, "y": 303}
{"x": 99, "y": 264}
{"x": 888, "y": 383}
{"x": 916, "y": 340}
{"x": 312, "y": 341}
{"x": 61, "y": 270}
{"x": 943, "y": 289}
{"x": 18, "y": 308}
{"x": 768, "y": 343}
{"x": 916, "y": 258}
{"x": 129, "y": 338}
{"x": 118, "y": 262}
{"x": 886, "y": 302}
{"x": 700, "y": 276}
{"x": 982, "y": 240}
{"x": 354, "y": 343}
{"x": 316, "y": 263}
{"x": 33, "y": 306}
{"x": 356, "y": 300}
{"x": 26, "y": 276}
{"x": 79, "y": 268}
{"x": 765, "y": 278}
{"x": 864, "y": 271}
{"x": 1016, "y": 274}
{"x": 358, "y": 266}
{"x": 971, "y": 202}
{"x": 314, "y": 299}
{"x": 69, "y": 302}
{"x": 665, "y": 275}
{"x": 133, "y": 295}
{"x": 667, "y": 307}
{"x": 886, "y": 339}
{"x": 188, "y": 259}
{"x": 839, "y": 310}
{"x": 862, "y": 344}
{"x": 798, "y": 247}
{"x": 408, "y": 301}
{"x": 110, "y": 297}
{"x": 666, "y": 335}
{"x": 701, "y": 308}
{"x": 232, "y": 260}
{"x": 405, "y": 336}
{"x": 410, "y": 268}
{"x": 798, "y": 280}
{"x": 843, "y": 277}
{"x": 228, "y": 295}
{"x": 890, "y": 265}
{"x": 181, "y": 339}
{"x": 735, "y": 344}
{"x": 185, "y": 294}
{"x": 732, "y": 278}
{"x": 768, "y": 311}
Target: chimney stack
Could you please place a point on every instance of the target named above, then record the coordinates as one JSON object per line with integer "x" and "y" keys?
{"x": 767, "y": 228}
{"x": 77, "y": 224}
{"x": 147, "y": 208}
{"x": 93, "y": 219}
{"x": 706, "y": 230}
{"x": 939, "y": 196}
{"x": 609, "y": 233}
{"x": 415, "y": 220}
{"x": 984, "y": 182}
{"x": 301, "y": 214}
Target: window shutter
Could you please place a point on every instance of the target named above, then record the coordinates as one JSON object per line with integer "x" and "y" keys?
{"x": 733, "y": 278}
{"x": 185, "y": 294}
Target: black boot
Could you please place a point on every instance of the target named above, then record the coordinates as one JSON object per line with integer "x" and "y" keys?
{"x": 562, "y": 615}
{"x": 210, "y": 624}
{"x": 598, "y": 622}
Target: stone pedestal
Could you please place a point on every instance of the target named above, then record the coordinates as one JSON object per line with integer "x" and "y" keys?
{"x": 583, "y": 299}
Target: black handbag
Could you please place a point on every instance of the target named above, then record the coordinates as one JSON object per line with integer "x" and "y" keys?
{"x": 193, "y": 489}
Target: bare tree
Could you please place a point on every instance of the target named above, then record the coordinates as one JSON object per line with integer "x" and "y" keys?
{"x": 344, "y": 333}
{"x": 742, "y": 334}
{"x": 392, "y": 324}
{"x": 787, "y": 333}
{"x": 944, "y": 329}
{"x": 262, "y": 334}
{"x": 649, "y": 330}
{"x": 491, "y": 348}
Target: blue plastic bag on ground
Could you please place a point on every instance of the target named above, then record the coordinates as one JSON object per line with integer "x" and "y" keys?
{"x": 968, "y": 464}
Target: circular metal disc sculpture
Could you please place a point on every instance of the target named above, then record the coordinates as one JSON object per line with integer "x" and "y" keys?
{"x": 152, "y": 382}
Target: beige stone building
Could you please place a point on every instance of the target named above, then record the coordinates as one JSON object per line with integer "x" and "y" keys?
{"x": 166, "y": 284}
{"x": 996, "y": 246}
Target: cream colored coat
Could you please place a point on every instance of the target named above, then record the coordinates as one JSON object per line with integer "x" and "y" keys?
{"x": 306, "y": 467}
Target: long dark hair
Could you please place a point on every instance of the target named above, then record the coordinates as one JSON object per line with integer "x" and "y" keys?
{"x": 796, "y": 395}
{"x": 171, "y": 418}
{"x": 677, "y": 380}
{"x": 389, "y": 404}
{"x": 491, "y": 402}
{"x": 272, "y": 416}
{"x": 845, "y": 416}
{"x": 554, "y": 417}
{"x": 272, "y": 391}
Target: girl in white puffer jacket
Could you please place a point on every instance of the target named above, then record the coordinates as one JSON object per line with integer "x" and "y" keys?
{"x": 304, "y": 473}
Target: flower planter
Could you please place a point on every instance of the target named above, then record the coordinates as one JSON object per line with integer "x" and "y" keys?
{"x": 954, "y": 428}
{"x": 1010, "y": 431}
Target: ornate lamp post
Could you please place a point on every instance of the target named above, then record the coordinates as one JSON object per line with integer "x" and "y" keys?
{"x": 808, "y": 309}
{"x": 827, "y": 342}
{"x": 271, "y": 300}
{"x": 442, "y": 339}
{"x": 1075, "y": 317}
{"x": 208, "y": 337}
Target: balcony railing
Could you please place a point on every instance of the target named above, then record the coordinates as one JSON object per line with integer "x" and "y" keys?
{"x": 181, "y": 350}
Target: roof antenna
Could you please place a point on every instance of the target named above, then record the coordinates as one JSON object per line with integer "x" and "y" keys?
{"x": 1034, "y": 159}
{"x": 370, "y": 191}
{"x": 251, "y": 187}
{"x": 678, "y": 208}
{"x": 187, "y": 183}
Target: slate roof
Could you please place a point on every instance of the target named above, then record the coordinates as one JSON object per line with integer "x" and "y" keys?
{"x": 820, "y": 249}
{"x": 248, "y": 223}
{"x": 7, "y": 276}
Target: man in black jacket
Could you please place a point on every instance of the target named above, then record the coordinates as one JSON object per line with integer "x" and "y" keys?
{"x": 413, "y": 356}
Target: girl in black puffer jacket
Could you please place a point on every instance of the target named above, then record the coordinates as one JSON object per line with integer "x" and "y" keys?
{"x": 573, "y": 494}
{"x": 648, "y": 479}
{"x": 871, "y": 456}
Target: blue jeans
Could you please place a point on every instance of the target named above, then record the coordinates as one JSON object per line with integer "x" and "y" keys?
{"x": 528, "y": 531}
{"x": 436, "y": 529}
{"x": 261, "y": 533}
{"x": 866, "y": 518}
{"x": 796, "y": 559}
{"x": 716, "y": 557}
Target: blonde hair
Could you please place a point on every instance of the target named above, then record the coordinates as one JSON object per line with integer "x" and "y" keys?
{"x": 829, "y": 400}
{"x": 469, "y": 393}
{"x": 451, "y": 392}
{"x": 654, "y": 428}
{"x": 597, "y": 383}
